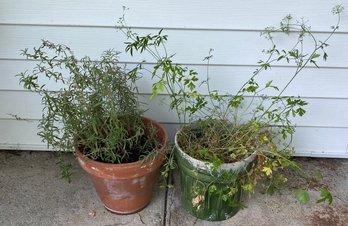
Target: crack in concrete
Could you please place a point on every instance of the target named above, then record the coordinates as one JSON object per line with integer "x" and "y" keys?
{"x": 171, "y": 202}
{"x": 168, "y": 197}
{"x": 141, "y": 219}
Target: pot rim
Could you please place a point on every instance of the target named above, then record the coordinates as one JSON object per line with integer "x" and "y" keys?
{"x": 235, "y": 166}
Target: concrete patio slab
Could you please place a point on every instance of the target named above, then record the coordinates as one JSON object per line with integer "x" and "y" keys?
{"x": 31, "y": 193}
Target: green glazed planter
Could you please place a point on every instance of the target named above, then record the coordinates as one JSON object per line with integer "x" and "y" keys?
{"x": 196, "y": 176}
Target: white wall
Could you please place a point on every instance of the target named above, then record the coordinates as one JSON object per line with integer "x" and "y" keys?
{"x": 231, "y": 28}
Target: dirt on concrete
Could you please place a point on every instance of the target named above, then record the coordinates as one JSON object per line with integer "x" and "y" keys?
{"x": 329, "y": 216}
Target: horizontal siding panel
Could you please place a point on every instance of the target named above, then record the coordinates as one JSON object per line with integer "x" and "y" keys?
{"x": 320, "y": 112}
{"x": 312, "y": 82}
{"x": 319, "y": 142}
{"x": 16, "y": 134}
{"x": 231, "y": 48}
{"x": 198, "y": 14}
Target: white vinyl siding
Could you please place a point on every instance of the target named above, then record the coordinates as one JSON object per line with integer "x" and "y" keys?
{"x": 231, "y": 28}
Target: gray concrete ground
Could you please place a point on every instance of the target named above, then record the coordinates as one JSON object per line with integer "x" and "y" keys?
{"x": 31, "y": 193}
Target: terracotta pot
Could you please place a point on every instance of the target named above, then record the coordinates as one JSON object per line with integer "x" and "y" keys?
{"x": 126, "y": 188}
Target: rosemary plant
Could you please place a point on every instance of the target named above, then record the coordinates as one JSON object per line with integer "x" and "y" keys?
{"x": 95, "y": 107}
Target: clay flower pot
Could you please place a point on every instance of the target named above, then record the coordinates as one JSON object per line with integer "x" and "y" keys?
{"x": 126, "y": 188}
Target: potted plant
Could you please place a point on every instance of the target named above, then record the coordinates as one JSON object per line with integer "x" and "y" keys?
{"x": 92, "y": 107}
{"x": 228, "y": 143}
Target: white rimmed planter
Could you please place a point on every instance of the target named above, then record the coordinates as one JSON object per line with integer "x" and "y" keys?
{"x": 197, "y": 177}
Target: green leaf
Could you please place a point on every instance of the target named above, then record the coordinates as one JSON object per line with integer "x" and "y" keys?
{"x": 301, "y": 111}
{"x": 216, "y": 161}
{"x": 233, "y": 190}
{"x": 271, "y": 189}
{"x": 318, "y": 176}
{"x": 315, "y": 55}
{"x": 268, "y": 84}
{"x": 313, "y": 62}
{"x": 294, "y": 53}
{"x": 265, "y": 66}
{"x": 325, "y": 195}
{"x": 204, "y": 153}
{"x": 66, "y": 169}
{"x": 281, "y": 57}
{"x": 158, "y": 86}
{"x": 248, "y": 187}
{"x": 325, "y": 56}
{"x": 302, "y": 196}
{"x": 236, "y": 101}
{"x": 212, "y": 188}
{"x": 224, "y": 197}
{"x": 267, "y": 170}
